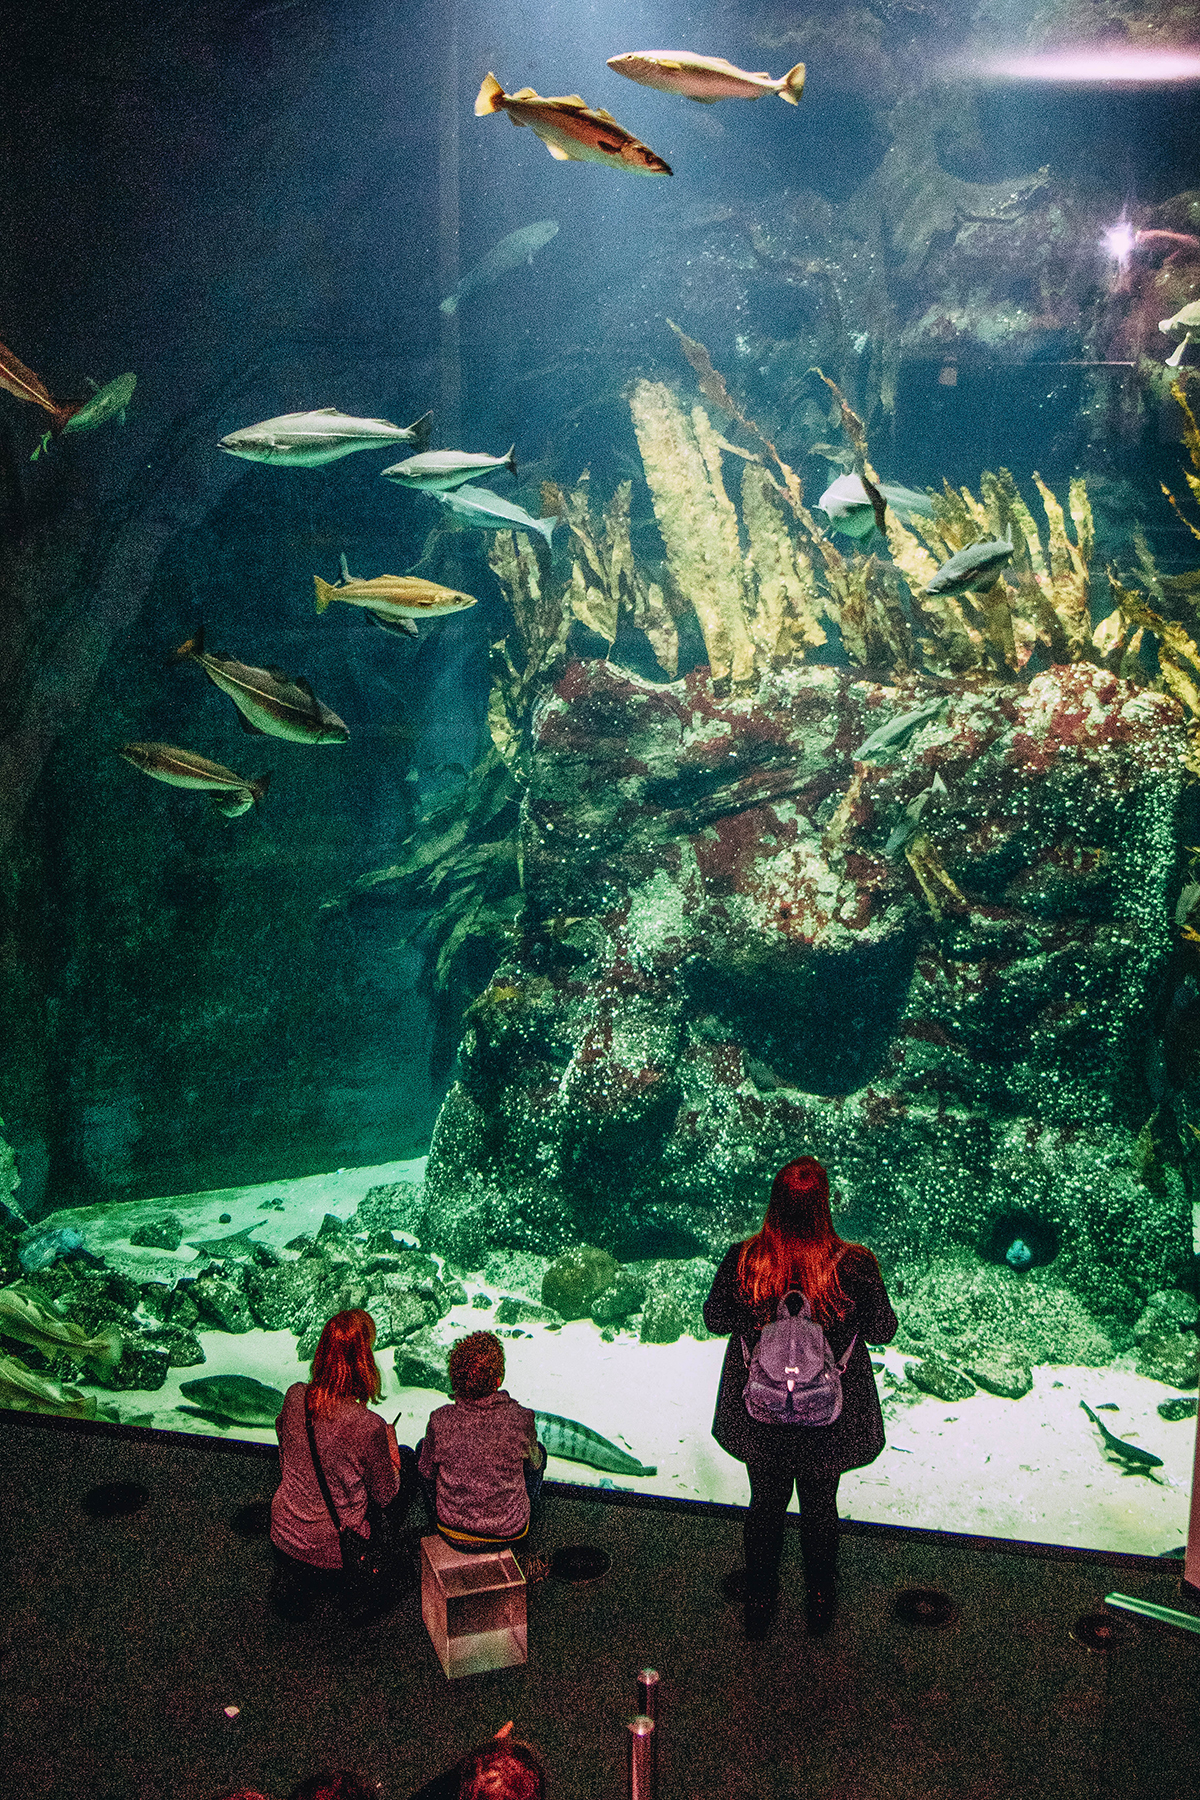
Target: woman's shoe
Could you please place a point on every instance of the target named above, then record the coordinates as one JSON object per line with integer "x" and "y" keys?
{"x": 820, "y": 1609}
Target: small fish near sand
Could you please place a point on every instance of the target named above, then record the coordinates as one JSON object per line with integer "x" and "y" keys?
{"x": 1136, "y": 1460}
{"x": 517, "y": 248}
{"x": 974, "y": 566}
{"x": 229, "y": 793}
{"x": 309, "y": 440}
{"x": 850, "y": 509}
{"x": 480, "y": 508}
{"x": 269, "y": 703}
{"x": 886, "y": 741}
{"x": 23, "y": 1391}
{"x": 24, "y": 1320}
{"x": 437, "y": 471}
{"x": 393, "y": 601}
{"x": 59, "y": 1243}
{"x": 574, "y": 1442}
{"x": 705, "y": 78}
{"x": 232, "y": 1400}
{"x": 571, "y": 130}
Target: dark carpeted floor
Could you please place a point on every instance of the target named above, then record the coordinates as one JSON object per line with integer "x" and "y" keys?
{"x": 124, "y": 1638}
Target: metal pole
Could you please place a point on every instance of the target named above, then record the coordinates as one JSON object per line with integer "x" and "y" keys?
{"x": 647, "y": 1684}
{"x": 642, "y": 1774}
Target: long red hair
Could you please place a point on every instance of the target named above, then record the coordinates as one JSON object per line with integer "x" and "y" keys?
{"x": 344, "y": 1367}
{"x": 797, "y": 1247}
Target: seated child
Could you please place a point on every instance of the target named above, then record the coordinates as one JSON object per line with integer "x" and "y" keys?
{"x": 480, "y": 1460}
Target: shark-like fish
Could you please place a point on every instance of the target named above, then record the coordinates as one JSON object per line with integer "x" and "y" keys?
{"x": 974, "y": 566}
{"x": 437, "y": 471}
{"x": 571, "y": 130}
{"x": 704, "y": 78}
{"x": 308, "y": 440}
{"x": 579, "y": 1443}
{"x": 269, "y": 703}
{"x": 229, "y": 793}
{"x": 1132, "y": 1455}
{"x": 517, "y": 248}
{"x": 23, "y": 1391}
{"x": 232, "y": 1400}
{"x": 481, "y": 508}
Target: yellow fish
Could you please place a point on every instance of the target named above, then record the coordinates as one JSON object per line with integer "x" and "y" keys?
{"x": 571, "y": 130}
{"x": 393, "y": 597}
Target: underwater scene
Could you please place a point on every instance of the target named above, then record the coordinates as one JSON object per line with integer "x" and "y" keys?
{"x": 552, "y": 664}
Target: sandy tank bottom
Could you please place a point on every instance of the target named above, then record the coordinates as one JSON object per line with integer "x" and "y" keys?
{"x": 1030, "y": 1469}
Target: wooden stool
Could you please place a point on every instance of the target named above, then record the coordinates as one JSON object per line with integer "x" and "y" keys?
{"x": 473, "y": 1607}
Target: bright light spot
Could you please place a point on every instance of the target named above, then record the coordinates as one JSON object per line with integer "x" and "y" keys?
{"x": 1084, "y": 64}
{"x": 1118, "y": 241}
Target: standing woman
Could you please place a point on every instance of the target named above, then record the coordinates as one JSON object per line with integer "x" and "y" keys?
{"x": 359, "y": 1455}
{"x": 797, "y": 1248}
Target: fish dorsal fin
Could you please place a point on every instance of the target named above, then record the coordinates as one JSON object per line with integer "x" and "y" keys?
{"x": 667, "y": 62}
{"x": 527, "y": 93}
{"x": 326, "y": 412}
{"x": 302, "y": 683}
{"x": 281, "y": 675}
{"x": 386, "y": 422}
{"x": 606, "y": 116}
{"x": 568, "y": 102}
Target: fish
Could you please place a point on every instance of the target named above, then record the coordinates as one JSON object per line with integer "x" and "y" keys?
{"x": 848, "y": 505}
{"x": 517, "y": 248}
{"x": 974, "y": 566}
{"x": 1183, "y": 320}
{"x": 1018, "y": 1255}
{"x": 106, "y": 403}
{"x": 309, "y": 439}
{"x": 481, "y": 508}
{"x": 440, "y": 470}
{"x": 229, "y": 793}
{"x": 22, "y": 1319}
{"x": 23, "y": 1391}
{"x": 574, "y": 1442}
{"x": 895, "y": 734}
{"x": 1139, "y": 1460}
{"x": 232, "y": 1400}
{"x": 393, "y": 601}
{"x": 48, "y": 1247}
{"x": 1175, "y": 360}
{"x": 269, "y": 703}
{"x": 911, "y": 822}
{"x": 571, "y": 130}
{"x": 222, "y": 1246}
{"x": 705, "y": 78}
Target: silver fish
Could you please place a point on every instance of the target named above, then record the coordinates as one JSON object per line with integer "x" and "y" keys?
{"x": 231, "y": 794}
{"x": 437, "y": 471}
{"x": 232, "y": 1400}
{"x": 705, "y": 78}
{"x": 848, "y": 506}
{"x": 108, "y": 402}
{"x": 579, "y": 1443}
{"x": 974, "y": 566}
{"x": 517, "y": 248}
{"x": 1132, "y": 1455}
{"x": 269, "y": 703}
{"x": 485, "y": 510}
{"x": 886, "y": 741}
{"x": 910, "y": 822}
{"x": 309, "y": 439}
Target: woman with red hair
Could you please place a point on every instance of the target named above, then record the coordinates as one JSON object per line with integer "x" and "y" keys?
{"x": 359, "y": 1457}
{"x": 797, "y": 1250}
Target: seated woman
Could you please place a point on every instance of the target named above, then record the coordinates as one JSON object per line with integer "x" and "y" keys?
{"x": 359, "y": 1456}
{"x": 480, "y": 1461}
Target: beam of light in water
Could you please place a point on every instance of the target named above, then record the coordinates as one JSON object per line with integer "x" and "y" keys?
{"x": 1118, "y": 242}
{"x": 1116, "y": 65}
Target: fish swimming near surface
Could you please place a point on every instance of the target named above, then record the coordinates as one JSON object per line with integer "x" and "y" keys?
{"x": 23, "y": 1391}
{"x": 392, "y": 600}
{"x": 269, "y": 703}
{"x": 481, "y": 508}
{"x": 850, "y": 509}
{"x": 232, "y": 1400}
{"x": 974, "y": 566}
{"x": 24, "y": 1320}
{"x": 310, "y": 439}
{"x": 571, "y": 130}
{"x": 704, "y": 78}
{"x": 1132, "y": 1455}
{"x": 437, "y": 471}
{"x": 228, "y": 793}
{"x": 886, "y": 741}
{"x": 579, "y": 1443}
{"x": 517, "y": 248}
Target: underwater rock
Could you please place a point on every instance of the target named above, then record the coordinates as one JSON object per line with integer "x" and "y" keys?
{"x": 223, "y": 1303}
{"x": 625, "y": 1295}
{"x": 392, "y": 1206}
{"x": 421, "y": 1362}
{"x": 184, "y": 1349}
{"x": 1164, "y": 1312}
{"x": 163, "y": 1233}
{"x": 279, "y": 1296}
{"x": 982, "y": 1312}
{"x": 935, "y": 1376}
{"x": 676, "y": 1290}
{"x": 572, "y": 1282}
{"x": 170, "y": 1305}
{"x": 514, "y": 1311}
{"x": 1171, "y": 1357}
{"x": 144, "y": 1364}
{"x": 1001, "y": 1374}
{"x": 1175, "y": 1410}
{"x": 398, "y": 1312}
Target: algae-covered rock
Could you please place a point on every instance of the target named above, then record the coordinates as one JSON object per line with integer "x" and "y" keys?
{"x": 1176, "y": 1410}
{"x": 398, "y": 1313}
{"x": 1171, "y": 1357}
{"x": 279, "y": 1297}
{"x": 143, "y": 1364}
{"x": 422, "y": 1362}
{"x": 163, "y": 1233}
{"x": 572, "y": 1282}
{"x": 1164, "y": 1312}
{"x": 972, "y": 1310}
{"x": 223, "y": 1303}
{"x": 1001, "y": 1373}
{"x": 392, "y": 1206}
{"x": 183, "y": 1348}
{"x": 625, "y": 1295}
{"x": 933, "y": 1375}
{"x": 676, "y": 1289}
{"x": 514, "y": 1311}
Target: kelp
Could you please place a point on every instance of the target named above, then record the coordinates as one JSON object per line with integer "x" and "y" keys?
{"x": 606, "y": 581}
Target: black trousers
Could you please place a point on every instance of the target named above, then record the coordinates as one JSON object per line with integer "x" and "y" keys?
{"x": 770, "y": 1495}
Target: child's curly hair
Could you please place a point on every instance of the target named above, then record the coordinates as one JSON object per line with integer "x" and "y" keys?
{"x": 476, "y": 1366}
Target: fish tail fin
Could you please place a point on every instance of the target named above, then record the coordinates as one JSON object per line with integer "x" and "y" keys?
{"x": 420, "y": 429}
{"x": 489, "y": 96}
{"x": 546, "y": 527}
{"x": 194, "y": 645}
{"x": 258, "y": 789}
{"x": 449, "y": 304}
{"x": 345, "y": 567}
{"x": 326, "y": 593}
{"x": 793, "y": 85}
{"x": 510, "y": 461}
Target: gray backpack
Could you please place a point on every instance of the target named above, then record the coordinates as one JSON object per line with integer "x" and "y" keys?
{"x": 792, "y": 1376}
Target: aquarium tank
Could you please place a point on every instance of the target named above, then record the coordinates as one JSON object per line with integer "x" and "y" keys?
{"x": 553, "y": 663}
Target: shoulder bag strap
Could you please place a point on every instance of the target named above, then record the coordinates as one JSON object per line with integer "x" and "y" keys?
{"x": 320, "y": 1473}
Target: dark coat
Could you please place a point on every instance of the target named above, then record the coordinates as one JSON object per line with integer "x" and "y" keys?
{"x": 856, "y": 1437}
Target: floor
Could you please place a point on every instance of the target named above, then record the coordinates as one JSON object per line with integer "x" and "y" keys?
{"x": 124, "y": 1639}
